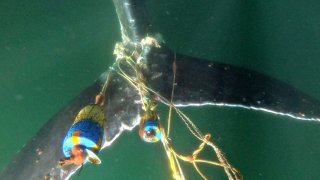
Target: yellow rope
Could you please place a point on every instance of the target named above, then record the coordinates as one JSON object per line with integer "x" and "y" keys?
{"x": 173, "y": 156}
{"x": 174, "y": 70}
{"x": 104, "y": 87}
{"x": 198, "y": 170}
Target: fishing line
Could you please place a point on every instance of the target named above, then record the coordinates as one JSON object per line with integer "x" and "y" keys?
{"x": 138, "y": 81}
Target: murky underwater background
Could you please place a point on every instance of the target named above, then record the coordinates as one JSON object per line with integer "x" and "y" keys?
{"x": 51, "y": 51}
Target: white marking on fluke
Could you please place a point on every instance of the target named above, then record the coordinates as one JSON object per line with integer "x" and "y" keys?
{"x": 245, "y": 107}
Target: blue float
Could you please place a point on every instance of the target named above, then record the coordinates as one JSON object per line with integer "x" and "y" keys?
{"x": 86, "y": 131}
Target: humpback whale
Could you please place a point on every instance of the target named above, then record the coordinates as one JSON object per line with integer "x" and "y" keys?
{"x": 220, "y": 84}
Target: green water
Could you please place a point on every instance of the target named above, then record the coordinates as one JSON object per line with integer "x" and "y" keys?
{"x": 51, "y": 51}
